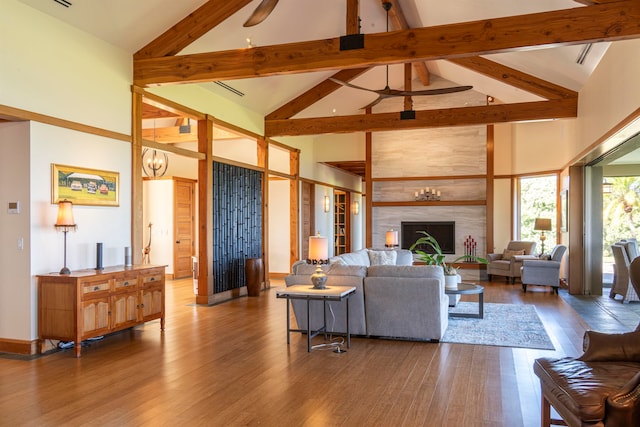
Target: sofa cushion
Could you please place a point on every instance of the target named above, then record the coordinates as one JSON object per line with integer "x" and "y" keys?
{"x": 332, "y": 270}
{"x": 360, "y": 257}
{"x": 409, "y": 271}
{"x": 382, "y": 257}
{"x": 508, "y": 254}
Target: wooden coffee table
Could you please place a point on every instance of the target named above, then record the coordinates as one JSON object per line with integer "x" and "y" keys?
{"x": 468, "y": 289}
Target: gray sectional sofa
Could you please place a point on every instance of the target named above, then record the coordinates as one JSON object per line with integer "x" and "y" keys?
{"x": 398, "y": 301}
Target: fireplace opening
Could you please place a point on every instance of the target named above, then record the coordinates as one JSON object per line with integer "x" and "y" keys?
{"x": 443, "y": 231}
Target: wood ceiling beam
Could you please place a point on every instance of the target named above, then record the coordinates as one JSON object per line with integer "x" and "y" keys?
{"x": 449, "y": 117}
{"x": 514, "y": 77}
{"x": 606, "y": 22}
{"x": 314, "y": 94}
{"x": 399, "y": 22}
{"x": 191, "y": 28}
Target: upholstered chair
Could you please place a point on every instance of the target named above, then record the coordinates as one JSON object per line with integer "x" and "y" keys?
{"x": 508, "y": 263}
{"x": 599, "y": 388}
{"x": 543, "y": 272}
{"x": 622, "y": 282}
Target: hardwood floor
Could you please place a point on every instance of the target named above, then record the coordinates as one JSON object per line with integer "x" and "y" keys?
{"x": 230, "y": 365}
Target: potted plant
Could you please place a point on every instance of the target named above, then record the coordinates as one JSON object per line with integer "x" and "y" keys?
{"x": 451, "y": 276}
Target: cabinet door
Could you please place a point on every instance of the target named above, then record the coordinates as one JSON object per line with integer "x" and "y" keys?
{"x": 95, "y": 317}
{"x": 152, "y": 306}
{"x": 124, "y": 310}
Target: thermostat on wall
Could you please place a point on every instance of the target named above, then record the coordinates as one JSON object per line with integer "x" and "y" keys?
{"x": 13, "y": 207}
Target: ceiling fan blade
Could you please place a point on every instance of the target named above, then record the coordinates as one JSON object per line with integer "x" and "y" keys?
{"x": 440, "y": 91}
{"x": 340, "y": 82}
{"x": 263, "y": 10}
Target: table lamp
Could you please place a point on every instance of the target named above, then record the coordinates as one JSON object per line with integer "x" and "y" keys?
{"x": 65, "y": 223}
{"x": 391, "y": 239}
{"x": 318, "y": 255}
{"x": 542, "y": 224}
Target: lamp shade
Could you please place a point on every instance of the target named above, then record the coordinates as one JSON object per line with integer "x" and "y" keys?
{"x": 542, "y": 224}
{"x": 318, "y": 248}
{"x": 65, "y": 214}
{"x": 391, "y": 238}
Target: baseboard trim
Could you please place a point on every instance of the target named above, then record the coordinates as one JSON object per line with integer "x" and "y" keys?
{"x": 18, "y": 346}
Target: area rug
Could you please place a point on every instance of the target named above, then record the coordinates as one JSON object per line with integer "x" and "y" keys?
{"x": 505, "y": 325}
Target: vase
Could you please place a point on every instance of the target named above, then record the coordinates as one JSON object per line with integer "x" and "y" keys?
{"x": 253, "y": 272}
{"x": 451, "y": 281}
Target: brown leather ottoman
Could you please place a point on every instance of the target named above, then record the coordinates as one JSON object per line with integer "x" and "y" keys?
{"x": 601, "y": 388}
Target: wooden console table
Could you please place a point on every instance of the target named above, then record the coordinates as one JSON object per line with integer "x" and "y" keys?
{"x": 89, "y": 303}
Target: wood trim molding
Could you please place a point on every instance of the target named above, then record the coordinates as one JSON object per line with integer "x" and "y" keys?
{"x": 433, "y": 203}
{"x": 19, "y": 346}
{"x": 16, "y": 114}
{"x": 326, "y": 184}
{"x": 429, "y": 178}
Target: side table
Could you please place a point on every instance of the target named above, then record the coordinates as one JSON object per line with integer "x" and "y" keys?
{"x": 309, "y": 293}
{"x": 468, "y": 289}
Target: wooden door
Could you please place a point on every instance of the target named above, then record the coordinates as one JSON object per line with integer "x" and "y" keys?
{"x": 308, "y": 218}
{"x": 183, "y": 216}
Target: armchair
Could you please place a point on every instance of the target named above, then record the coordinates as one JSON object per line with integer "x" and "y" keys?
{"x": 622, "y": 281}
{"x": 543, "y": 272}
{"x": 509, "y": 262}
{"x": 600, "y": 388}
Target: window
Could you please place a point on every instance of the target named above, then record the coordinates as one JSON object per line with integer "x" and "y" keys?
{"x": 537, "y": 198}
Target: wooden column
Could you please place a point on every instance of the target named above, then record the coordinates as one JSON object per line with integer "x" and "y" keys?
{"x": 137, "y": 227}
{"x": 490, "y": 188}
{"x": 263, "y": 162}
{"x": 368, "y": 176}
{"x": 205, "y": 212}
{"x": 353, "y": 19}
{"x": 294, "y": 207}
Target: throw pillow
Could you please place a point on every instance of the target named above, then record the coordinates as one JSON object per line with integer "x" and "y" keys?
{"x": 508, "y": 254}
{"x": 382, "y": 257}
{"x": 601, "y": 347}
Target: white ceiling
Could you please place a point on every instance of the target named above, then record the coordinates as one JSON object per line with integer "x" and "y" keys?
{"x": 130, "y": 25}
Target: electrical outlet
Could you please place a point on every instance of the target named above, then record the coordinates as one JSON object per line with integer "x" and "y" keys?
{"x": 20, "y": 243}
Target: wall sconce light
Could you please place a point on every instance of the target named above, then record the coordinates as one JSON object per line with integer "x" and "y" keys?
{"x": 318, "y": 255}
{"x": 326, "y": 203}
{"x": 607, "y": 187}
{"x": 356, "y": 208}
{"x": 391, "y": 239}
{"x": 65, "y": 223}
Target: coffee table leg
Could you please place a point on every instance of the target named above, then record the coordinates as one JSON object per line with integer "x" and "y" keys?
{"x": 288, "y": 323}
{"x": 481, "y": 304}
{"x": 348, "y": 330}
{"x": 308, "y": 327}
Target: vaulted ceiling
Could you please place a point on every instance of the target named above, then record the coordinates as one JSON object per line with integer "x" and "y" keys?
{"x": 522, "y": 54}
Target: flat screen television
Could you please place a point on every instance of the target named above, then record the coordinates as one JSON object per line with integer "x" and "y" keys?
{"x": 443, "y": 231}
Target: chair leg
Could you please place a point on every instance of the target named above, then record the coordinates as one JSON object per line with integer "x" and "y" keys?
{"x": 524, "y": 288}
{"x": 545, "y": 418}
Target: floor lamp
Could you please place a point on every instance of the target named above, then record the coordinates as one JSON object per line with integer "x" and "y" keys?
{"x": 65, "y": 223}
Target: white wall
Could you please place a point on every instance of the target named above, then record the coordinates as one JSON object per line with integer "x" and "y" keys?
{"x": 279, "y": 226}
{"x": 110, "y": 225}
{"x": 16, "y": 292}
{"x": 158, "y": 210}
{"x": 51, "y": 68}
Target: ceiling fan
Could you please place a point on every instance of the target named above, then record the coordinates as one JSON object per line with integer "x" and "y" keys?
{"x": 263, "y": 10}
{"x": 387, "y": 92}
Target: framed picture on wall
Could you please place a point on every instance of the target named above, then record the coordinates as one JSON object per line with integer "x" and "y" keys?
{"x": 564, "y": 211}
{"x": 84, "y": 186}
